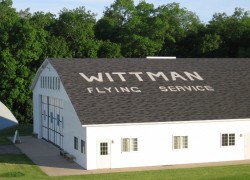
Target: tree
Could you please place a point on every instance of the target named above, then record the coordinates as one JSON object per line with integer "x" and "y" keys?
{"x": 183, "y": 30}
{"x": 20, "y": 49}
{"x": 233, "y": 31}
{"x": 6, "y": 3}
{"x": 138, "y": 29}
{"x": 111, "y": 25}
{"x": 108, "y": 49}
{"x": 8, "y": 64}
{"x": 77, "y": 28}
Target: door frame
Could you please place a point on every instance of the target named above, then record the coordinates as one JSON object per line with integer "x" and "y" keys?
{"x": 103, "y": 161}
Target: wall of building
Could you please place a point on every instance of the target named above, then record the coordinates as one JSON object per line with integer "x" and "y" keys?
{"x": 155, "y": 143}
{"x": 73, "y": 128}
{"x": 71, "y": 124}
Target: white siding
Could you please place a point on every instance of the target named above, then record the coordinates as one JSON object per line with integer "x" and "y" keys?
{"x": 155, "y": 143}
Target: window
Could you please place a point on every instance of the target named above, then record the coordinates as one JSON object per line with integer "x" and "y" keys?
{"x": 51, "y": 117}
{"x": 53, "y": 83}
{"x": 58, "y": 119}
{"x": 56, "y": 83}
{"x": 129, "y": 144}
{"x": 44, "y": 115}
{"x": 76, "y": 143}
{"x": 41, "y": 82}
{"x": 50, "y": 84}
{"x": 228, "y": 139}
{"x": 46, "y": 81}
{"x": 180, "y": 142}
{"x": 83, "y": 146}
{"x": 103, "y": 148}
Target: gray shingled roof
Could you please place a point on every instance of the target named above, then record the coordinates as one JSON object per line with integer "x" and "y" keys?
{"x": 230, "y": 79}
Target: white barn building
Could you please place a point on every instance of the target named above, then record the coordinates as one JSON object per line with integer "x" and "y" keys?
{"x": 115, "y": 113}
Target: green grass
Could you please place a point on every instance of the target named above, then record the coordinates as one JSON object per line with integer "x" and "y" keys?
{"x": 23, "y": 129}
{"x": 21, "y": 167}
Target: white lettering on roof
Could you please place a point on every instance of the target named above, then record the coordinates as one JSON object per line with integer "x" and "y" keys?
{"x": 140, "y": 76}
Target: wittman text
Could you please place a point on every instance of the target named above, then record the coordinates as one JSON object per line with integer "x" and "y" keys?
{"x": 142, "y": 77}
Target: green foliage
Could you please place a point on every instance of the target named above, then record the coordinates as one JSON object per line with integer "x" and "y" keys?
{"x": 125, "y": 30}
{"x": 233, "y": 31}
{"x": 108, "y": 49}
{"x": 77, "y": 27}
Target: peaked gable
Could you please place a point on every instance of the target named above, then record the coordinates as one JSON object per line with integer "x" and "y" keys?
{"x": 107, "y": 91}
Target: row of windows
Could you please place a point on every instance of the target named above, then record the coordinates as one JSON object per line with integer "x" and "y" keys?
{"x": 181, "y": 142}
{"x": 131, "y": 144}
{"x": 128, "y": 145}
{"x": 83, "y": 146}
{"x": 50, "y": 82}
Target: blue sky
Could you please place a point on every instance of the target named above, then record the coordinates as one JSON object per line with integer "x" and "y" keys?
{"x": 203, "y": 8}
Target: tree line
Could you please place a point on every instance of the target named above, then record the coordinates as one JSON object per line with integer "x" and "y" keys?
{"x": 124, "y": 30}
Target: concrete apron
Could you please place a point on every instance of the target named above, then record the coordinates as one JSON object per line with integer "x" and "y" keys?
{"x": 48, "y": 158}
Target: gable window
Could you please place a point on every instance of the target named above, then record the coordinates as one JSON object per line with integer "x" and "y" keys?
{"x": 49, "y": 82}
{"x": 83, "y": 146}
{"x": 76, "y": 143}
{"x": 56, "y": 83}
{"x": 129, "y": 144}
{"x": 227, "y": 139}
{"x": 180, "y": 142}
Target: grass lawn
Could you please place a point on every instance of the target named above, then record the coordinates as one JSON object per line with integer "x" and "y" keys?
{"x": 21, "y": 167}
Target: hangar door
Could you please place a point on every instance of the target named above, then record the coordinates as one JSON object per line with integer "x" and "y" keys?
{"x": 52, "y": 120}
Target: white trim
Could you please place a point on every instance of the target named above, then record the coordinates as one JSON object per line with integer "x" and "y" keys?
{"x": 175, "y": 122}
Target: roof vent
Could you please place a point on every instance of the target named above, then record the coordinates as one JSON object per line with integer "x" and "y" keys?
{"x": 161, "y": 57}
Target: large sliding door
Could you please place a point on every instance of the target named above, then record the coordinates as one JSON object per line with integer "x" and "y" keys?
{"x": 52, "y": 120}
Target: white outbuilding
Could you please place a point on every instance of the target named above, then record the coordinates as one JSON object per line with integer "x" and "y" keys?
{"x": 7, "y": 119}
{"x": 116, "y": 113}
